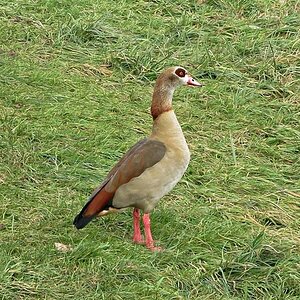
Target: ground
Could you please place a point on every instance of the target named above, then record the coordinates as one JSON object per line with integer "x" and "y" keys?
{"x": 76, "y": 79}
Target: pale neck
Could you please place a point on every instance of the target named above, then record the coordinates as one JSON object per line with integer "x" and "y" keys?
{"x": 167, "y": 125}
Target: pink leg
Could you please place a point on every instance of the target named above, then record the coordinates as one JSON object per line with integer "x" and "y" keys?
{"x": 137, "y": 237}
{"x": 148, "y": 235}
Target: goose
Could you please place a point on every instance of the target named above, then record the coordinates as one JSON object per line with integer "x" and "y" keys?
{"x": 151, "y": 168}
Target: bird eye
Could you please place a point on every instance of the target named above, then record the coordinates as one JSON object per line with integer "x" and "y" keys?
{"x": 180, "y": 72}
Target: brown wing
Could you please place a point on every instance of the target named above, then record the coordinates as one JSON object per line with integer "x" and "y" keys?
{"x": 141, "y": 156}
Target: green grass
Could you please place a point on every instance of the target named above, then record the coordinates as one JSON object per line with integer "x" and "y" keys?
{"x": 75, "y": 87}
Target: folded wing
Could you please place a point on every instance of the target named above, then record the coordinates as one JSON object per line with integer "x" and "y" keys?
{"x": 141, "y": 156}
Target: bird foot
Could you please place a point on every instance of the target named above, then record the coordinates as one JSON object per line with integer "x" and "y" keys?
{"x": 154, "y": 248}
{"x": 151, "y": 247}
{"x": 139, "y": 241}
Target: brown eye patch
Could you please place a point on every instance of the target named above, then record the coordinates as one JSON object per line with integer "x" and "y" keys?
{"x": 180, "y": 72}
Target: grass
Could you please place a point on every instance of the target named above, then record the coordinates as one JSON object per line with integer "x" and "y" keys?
{"x": 76, "y": 80}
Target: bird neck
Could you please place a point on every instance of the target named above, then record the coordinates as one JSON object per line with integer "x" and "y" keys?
{"x": 167, "y": 129}
{"x": 162, "y": 98}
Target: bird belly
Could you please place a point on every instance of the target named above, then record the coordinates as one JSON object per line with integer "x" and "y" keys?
{"x": 145, "y": 190}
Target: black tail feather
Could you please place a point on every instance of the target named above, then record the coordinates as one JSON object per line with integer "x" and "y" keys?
{"x": 80, "y": 221}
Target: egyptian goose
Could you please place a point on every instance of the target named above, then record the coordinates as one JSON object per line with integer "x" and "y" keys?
{"x": 151, "y": 168}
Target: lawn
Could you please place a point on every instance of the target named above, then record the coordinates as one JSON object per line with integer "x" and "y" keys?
{"x": 76, "y": 79}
